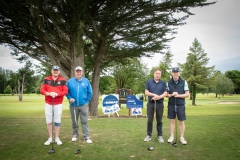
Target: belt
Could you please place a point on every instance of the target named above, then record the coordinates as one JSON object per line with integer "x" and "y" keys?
{"x": 154, "y": 102}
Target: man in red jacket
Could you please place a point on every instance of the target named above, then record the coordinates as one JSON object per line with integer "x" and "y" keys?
{"x": 54, "y": 88}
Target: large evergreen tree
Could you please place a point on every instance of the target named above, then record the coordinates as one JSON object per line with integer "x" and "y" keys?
{"x": 165, "y": 66}
{"x": 195, "y": 70}
{"x": 90, "y": 32}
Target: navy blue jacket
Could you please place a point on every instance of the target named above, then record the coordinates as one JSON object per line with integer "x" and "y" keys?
{"x": 156, "y": 88}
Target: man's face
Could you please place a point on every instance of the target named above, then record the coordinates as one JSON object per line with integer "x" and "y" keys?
{"x": 55, "y": 72}
{"x": 157, "y": 75}
{"x": 78, "y": 74}
{"x": 175, "y": 75}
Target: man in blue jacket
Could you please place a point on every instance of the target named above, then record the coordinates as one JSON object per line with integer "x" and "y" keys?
{"x": 79, "y": 96}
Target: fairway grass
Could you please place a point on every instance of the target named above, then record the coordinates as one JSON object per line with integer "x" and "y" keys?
{"x": 212, "y": 132}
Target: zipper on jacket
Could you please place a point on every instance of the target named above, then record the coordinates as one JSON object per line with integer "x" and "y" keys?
{"x": 78, "y": 94}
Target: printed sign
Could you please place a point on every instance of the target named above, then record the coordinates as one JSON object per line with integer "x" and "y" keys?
{"x": 136, "y": 111}
{"x": 110, "y": 103}
{"x": 134, "y": 102}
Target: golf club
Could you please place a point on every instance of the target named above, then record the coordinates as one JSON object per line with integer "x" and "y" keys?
{"x": 175, "y": 143}
{"x": 76, "y": 121}
{"x": 52, "y": 150}
{"x": 154, "y": 111}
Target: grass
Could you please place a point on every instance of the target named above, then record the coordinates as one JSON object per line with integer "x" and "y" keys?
{"x": 212, "y": 132}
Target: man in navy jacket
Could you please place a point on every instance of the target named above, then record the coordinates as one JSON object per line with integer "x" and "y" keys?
{"x": 177, "y": 92}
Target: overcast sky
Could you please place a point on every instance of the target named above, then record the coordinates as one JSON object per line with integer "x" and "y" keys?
{"x": 217, "y": 28}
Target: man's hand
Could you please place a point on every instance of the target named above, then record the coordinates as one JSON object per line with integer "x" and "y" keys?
{"x": 155, "y": 97}
{"x": 72, "y": 100}
{"x": 175, "y": 94}
{"x": 53, "y": 94}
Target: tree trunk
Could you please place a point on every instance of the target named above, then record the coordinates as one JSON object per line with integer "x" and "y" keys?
{"x": 193, "y": 95}
{"x": 21, "y": 88}
{"x": 190, "y": 96}
{"x": 77, "y": 57}
{"x": 54, "y": 59}
{"x": 93, "y": 107}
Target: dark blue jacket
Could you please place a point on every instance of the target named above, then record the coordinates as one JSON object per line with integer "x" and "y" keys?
{"x": 176, "y": 87}
{"x": 156, "y": 88}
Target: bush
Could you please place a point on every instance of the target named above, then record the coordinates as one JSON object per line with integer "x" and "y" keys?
{"x": 8, "y": 90}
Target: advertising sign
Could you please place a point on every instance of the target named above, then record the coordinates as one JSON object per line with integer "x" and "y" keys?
{"x": 135, "y": 104}
{"x": 110, "y": 103}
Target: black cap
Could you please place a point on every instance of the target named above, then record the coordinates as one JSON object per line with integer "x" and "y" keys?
{"x": 175, "y": 69}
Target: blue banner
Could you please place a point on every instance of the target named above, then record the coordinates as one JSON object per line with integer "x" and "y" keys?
{"x": 133, "y": 102}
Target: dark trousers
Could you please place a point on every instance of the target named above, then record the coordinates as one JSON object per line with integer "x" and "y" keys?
{"x": 150, "y": 115}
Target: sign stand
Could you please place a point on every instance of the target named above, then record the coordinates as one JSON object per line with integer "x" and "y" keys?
{"x": 122, "y": 97}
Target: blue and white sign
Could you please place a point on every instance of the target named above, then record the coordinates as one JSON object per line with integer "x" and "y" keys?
{"x": 110, "y": 103}
{"x": 135, "y": 104}
{"x": 136, "y": 111}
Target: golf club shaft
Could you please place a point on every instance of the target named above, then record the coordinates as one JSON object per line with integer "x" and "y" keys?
{"x": 76, "y": 121}
{"x": 154, "y": 111}
{"x": 52, "y": 119}
{"x": 176, "y": 120}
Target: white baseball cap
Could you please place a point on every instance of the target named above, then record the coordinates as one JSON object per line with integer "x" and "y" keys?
{"x": 78, "y": 68}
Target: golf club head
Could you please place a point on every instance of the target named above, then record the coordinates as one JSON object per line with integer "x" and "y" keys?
{"x": 150, "y": 148}
{"x": 174, "y": 144}
{"x": 77, "y": 151}
{"x": 51, "y": 151}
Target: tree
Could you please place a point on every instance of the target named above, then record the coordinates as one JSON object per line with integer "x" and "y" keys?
{"x": 25, "y": 80}
{"x": 127, "y": 74}
{"x": 8, "y": 90}
{"x": 223, "y": 85}
{"x": 70, "y": 33}
{"x": 4, "y": 77}
{"x": 165, "y": 66}
{"x": 195, "y": 70}
{"x": 211, "y": 84}
{"x": 13, "y": 82}
{"x": 107, "y": 85}
{"x": 234, "y": 75}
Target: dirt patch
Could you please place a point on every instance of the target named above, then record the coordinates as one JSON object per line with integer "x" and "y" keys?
{"x": 227, "y": 102}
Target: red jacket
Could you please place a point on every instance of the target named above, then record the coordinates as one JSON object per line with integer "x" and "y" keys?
{"x": 58, "y": 86}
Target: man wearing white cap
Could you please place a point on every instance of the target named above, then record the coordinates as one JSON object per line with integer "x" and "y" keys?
{"x": 79, "y": 96}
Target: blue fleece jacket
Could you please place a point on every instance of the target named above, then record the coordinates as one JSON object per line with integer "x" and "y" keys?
{"x": 81, "y": 91}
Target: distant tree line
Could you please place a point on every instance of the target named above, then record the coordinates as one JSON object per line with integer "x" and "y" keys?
{"x": 132, "y": 74}
{"x": 25, "y": 80}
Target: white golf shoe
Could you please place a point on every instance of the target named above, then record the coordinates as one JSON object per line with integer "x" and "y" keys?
{"x": 48, "y": 142}
{"x": 170, "y": 139}
{"x": 183, "y": 141}
{"x": 147, "y": 138}
{"x": 58, "y": 141}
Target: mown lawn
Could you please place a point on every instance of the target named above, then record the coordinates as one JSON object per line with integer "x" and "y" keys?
{"x": 212, "y": 132}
